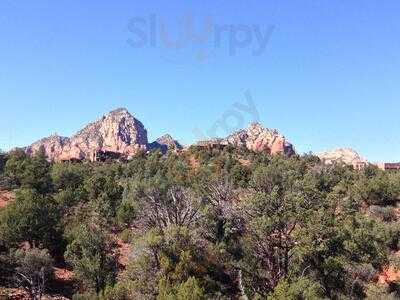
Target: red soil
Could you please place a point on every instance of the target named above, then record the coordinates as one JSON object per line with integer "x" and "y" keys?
{"x": 6, "y": 197}
{"x": 19, "y": 294}
{"x": 244, "y": 162}
{"x": 63, "y": 275}
{"x": 124, "y": 251}
{"x": 389, "y": 275}
{"x": 194, "y": 163}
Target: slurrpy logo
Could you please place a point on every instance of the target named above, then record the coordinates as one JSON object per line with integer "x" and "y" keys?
{"x": 204, "y": 42}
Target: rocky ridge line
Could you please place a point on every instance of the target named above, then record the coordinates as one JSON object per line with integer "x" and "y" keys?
{"x": 119, "y": 134}
{"x": 255, "y": 138}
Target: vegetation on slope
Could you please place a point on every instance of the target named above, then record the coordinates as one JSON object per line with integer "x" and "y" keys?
{"x": 201, "y": 224}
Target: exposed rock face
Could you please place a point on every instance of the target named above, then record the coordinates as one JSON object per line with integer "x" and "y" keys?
{"x": 165, "y": 143}
{"x": 118, "y": 135}
{"x": 53, "y": 146}
{"x": 346, "y": 156}
{"x": 256, "y": 138}
{"x": 117, "y": 131}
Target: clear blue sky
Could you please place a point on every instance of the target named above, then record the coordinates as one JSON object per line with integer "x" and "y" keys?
{"x": 327, "y": 78}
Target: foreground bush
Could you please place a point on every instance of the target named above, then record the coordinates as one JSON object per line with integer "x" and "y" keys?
{"x": 33, "y": 270}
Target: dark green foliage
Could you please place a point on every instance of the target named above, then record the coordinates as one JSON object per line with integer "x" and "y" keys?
{"x": 222, "y": 223}
{"x": 29, "y": 172}
{"x": 6, "y": 269}
{"x": 33, "y": 270}
{"x": 381, "y": 189}
{"x": 126, "y": 214}
{"x": 15, "y": 167}
{"x": 207, "y": 223}
{"x": 104, "y": 192}
{"x": 90, "y": 253}
{"x": 4, "y": 180}
{"x": 68, "y": 175}
{"x": 67, "y": 198}
{"x": 37, "y": 174}
{"x": 188, "y": 289}
{"x": 272, "y": 221}
{"x": 32, "y": 218}
{"x": 302, "y": 288}
{"x": 334, "y": 246}
{"x": 169, "y": 263}
{"x": 3, "y": 160}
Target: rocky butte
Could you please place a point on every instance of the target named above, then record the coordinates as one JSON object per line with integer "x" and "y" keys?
{"x": 116, "y": 132}
{"x": 256, "y": 138}
{"x": 346, "y": 156}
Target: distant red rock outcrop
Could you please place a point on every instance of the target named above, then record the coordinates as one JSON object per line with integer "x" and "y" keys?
{"x": 116, "y": 132}
{"x": 256, "y": 138}
{"x": 346, "y": 156}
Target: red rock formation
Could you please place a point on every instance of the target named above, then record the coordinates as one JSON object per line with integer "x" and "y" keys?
{"x": 117, "y": 131}
{"x": 346, "y": 156}
{"x": 258, "y": 139}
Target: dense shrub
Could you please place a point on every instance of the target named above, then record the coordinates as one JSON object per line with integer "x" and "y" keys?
{"x": 31, "y": 218}
{"x": 33, "y": 270}
{"x": 29, "y": 171}
{"x": 381, "y": 189}
{"x": 90, "y": 253}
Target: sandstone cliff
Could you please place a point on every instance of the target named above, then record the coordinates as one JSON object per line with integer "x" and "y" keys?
{"x": 117, "y": 132}
{"x": 53, "y": 146}
{"x": 256, "y": 138}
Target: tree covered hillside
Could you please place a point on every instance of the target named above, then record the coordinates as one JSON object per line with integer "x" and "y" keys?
{"x": 199, "y": 224}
